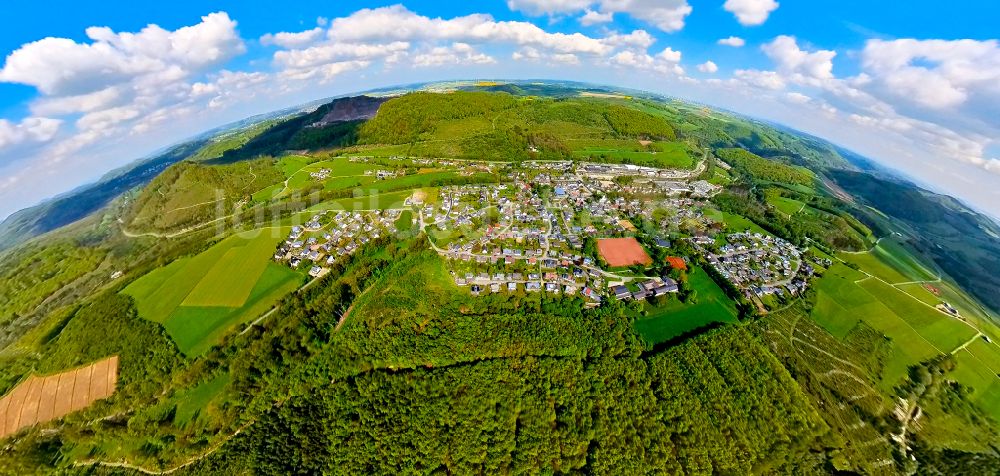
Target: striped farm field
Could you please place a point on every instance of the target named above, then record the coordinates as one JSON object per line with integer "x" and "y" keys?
{"x": 199, "y": 298}
{"x": 42, "y": 399}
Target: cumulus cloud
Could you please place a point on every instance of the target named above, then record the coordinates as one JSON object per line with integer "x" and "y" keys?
{"x": 456, "y": 54}
{"x": 708, "y": 67}
{"x": 665, "y": 62}
{"x": 547, "y": 7}
{"x": 935, "y": 74}
{"x": 591, "y": 17}
{"x": 398, "y": 23}
{"x": 667, "y": 15}
{"x": 109, "y": 84}
{"x": 733, "y": 41}
{"x": 29, "y": 129}
{"x": 293, "y": 39}
{"x": 60, "y": 66}
{"x": 751, "y": 12}
{"x": 797, "y": 63}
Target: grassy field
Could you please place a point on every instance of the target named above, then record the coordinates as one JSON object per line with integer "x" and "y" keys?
{"x": 978, "y": 367}
{"x": 198, "y": 299}
{"x": 734, "y": 223}
{"x": 663, "y": 154}
{"x": 918, "y": 332}
{"x": 676, "y": 318}
{"x": 230, "y": 279}
{"x": 405, "y": 221}
{"x": 891, "y": 262}
{"x": 943, "y": 332}
{"x": 788, "y": 206}
{"x": 195, "y": 401}
{"x": 377, "y": 201}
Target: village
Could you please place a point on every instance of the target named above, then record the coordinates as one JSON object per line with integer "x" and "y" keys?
{"x": 760, "y": 264}
{"x": 531, "y": 234}
{"x": 327, "y": 237}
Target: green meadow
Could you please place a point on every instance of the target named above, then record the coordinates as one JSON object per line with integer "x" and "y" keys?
{"x": 659, "y": 154}
{"x": 675, "y": 318}
{"x": 890, "y": 261}
{"x": 788, "y": 206}
{"x": 194, "y": 402}
{"x": 199, "y": 298}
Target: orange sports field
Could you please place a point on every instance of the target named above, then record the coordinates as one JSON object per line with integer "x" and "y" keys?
{"x": 622, "y": 252}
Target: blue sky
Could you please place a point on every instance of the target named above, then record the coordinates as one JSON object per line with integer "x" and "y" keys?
{"x": 916, "y": 87}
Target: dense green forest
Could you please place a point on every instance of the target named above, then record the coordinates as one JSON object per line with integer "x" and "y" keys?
{"x": 763, "y": 169}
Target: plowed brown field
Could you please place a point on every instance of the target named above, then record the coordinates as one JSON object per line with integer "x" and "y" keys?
{"x": 41, "y": 399}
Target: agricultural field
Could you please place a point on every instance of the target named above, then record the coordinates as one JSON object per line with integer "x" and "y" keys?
{"x": 785, "y": 205}
{"x": 891, "y": 262}
{"x": 675, "y": 318}
{"x": 42, "y": 399}
{"x": 197, "y": 299}
{"x": 674, "y": 155}
{"x": 735, "y": 223}
{"x": 918, "y": 331}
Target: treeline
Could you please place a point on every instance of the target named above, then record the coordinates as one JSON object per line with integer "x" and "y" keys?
{"x": 761, "y": 169}
{"x": 308, "y": 131}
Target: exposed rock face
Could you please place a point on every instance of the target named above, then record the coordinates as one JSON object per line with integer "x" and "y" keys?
{"x": 350, "y": 109}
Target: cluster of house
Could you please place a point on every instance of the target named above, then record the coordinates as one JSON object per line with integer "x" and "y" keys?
{"x": 647, "y": 289}
{"x": 385, "y": 174}
{"x": 760, "y": 264}
{"x": 322, "y": 245}
{"x": 698, "y": 188}
{"x": 321, "y": 174}
{"x": 561, "y": 280}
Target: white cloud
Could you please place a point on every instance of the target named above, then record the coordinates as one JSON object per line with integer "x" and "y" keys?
{"x": 760, "y": 79}
{"x": 669, "y": 55}
{"x": 566, "y": 58}
{"x": 667, "y": 15}
{"x": 293, "y": 40}
{"x": 797, "y": 63}
{"x": 60, "y": 66}
{"x": 29, "y": 129}
{"x": 708, "y": 67}
{"x": 665, "y": 62}
{"x": 548, "y": 7}
{"x": 336, "y": 51}
{"x": 733, "y": 41}
{"x": 935, "y": 74}
{"x": 592, "y": 17}
{"x": 61, "y": 105}
{"x": 457, "y": 53}
{"x": 798, "y": 98}
{"x": 751, "y": 12}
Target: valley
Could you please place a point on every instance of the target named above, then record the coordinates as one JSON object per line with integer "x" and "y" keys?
{"x": 503, "y": 278}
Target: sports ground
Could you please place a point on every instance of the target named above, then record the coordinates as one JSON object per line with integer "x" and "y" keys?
{"x": 619, "y": 252}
